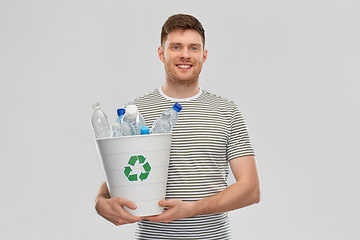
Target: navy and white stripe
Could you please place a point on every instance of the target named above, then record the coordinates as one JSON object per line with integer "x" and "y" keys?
{"x": 210, "y": 132}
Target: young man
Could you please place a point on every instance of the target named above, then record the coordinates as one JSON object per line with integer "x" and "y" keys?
{"x": 210, "y": 135}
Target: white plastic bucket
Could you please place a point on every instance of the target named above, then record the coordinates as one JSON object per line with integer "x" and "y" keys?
{"x": 136, "y": 168}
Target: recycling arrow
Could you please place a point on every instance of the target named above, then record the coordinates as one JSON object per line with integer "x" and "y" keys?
{"x": 143, "y": 176}
{"x": 132, "y": 162}
{"x": 132, "y": 177}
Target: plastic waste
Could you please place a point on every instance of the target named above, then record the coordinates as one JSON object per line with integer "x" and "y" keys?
{"x": 100, "y": 122}
{"x": 174, "y": 113}
{"x": 162, "y": 124}
{"x": 144, "y": 130}
{"x": 127, "y": 128}
{"x": 120, "y": 113}
{"x": 116, "y": 130}
{"x": 132, "y": 121}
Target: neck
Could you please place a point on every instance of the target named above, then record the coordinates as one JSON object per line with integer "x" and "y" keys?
{"x": 180, "y": 91}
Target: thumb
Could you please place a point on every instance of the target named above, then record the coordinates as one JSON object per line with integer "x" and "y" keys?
{"x": 164, "y": 203}
{"x": 127, "y": 203}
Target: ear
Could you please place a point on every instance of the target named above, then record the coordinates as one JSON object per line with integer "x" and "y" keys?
{"x": 205, "y": 55}
{"x": 161, "y": 54}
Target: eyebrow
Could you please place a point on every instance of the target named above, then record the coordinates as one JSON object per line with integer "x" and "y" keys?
{"x": 191, "y": 44}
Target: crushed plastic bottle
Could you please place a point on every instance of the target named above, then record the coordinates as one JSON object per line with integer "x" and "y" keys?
{"x": 127, "y": 128}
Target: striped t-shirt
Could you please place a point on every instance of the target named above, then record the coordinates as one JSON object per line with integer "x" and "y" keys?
{"x": 210, "y": 132}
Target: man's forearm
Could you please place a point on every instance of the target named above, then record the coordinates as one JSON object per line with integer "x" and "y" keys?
{"x": 244, "y": 192}
{"x": 236, "y": 196}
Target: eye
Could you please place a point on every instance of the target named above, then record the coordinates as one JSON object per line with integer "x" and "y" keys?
{"x": 194, "y": 48}
{"x": 175, "y": 48}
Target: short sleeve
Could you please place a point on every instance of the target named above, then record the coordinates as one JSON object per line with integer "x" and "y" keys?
{"x": 239, "y": 143}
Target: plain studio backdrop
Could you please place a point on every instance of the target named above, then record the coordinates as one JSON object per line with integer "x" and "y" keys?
{"x": 293, "y": 67}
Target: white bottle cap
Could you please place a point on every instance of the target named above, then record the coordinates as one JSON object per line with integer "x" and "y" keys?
{"x": 115, "y": 126}
{"x": 131, "y": 111}
{"x": 95, "y": 105}
{"x": 166, "y": 114}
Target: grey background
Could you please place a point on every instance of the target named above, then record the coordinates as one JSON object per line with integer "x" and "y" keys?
{"x": 291, "y": 66}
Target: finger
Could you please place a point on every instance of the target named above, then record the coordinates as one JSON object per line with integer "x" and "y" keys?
{"x": 163, "y": 203}
{"x": 128, "y": 204}
{"x": 166, "y": 203}
{"x": 126, "y": 217}
{"x": 130, "y": 217}
{"x": 163, "y": 217}
{"x": 157, "y": 218}
{"x": 124, "y": 202}
{"x": 123, "y": 215}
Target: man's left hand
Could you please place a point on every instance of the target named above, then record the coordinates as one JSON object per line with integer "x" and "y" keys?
{"x": 177, "y": 209}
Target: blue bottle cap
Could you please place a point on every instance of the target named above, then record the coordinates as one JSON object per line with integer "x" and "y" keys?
{"x": 144, "y": 130}
{"x": 177, "y": 107}
{"x": 121, "y": 111}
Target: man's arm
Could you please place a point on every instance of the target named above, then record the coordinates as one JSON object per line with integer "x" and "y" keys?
{"x": 244, "y": 192}
{"x": 112, "y": 208}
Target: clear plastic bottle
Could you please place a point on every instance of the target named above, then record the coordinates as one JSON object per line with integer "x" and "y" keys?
{"x": 116, "y": 130}
{"x": 120, "y": 113}
{"x": 127, "y": 128}
{"x": 174, "y": 113}
{"x": 134, "y": 118}
{"x": 145, "y": 130}
{"x": 162, "y": 124}
{"x": 100, "y": 122}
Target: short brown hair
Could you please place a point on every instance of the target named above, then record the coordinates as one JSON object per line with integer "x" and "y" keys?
{"x": 184, "y": 22}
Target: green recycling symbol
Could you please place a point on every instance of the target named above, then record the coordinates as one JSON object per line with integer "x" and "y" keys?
{"x": 134, "y": 176}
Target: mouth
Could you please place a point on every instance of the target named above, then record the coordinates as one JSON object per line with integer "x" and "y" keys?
{"x": 184, "y": 66}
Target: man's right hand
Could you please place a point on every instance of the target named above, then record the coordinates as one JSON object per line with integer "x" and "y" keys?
{"x": 112, "y": 209}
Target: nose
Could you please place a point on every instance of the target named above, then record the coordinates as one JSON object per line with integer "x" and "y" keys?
{"x": 185, "y": 54}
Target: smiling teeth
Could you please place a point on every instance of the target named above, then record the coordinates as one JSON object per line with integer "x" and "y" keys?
{"x": 184, "y": 66}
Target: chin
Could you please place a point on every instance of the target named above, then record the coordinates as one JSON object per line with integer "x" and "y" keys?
{"x": 186, "y": 81}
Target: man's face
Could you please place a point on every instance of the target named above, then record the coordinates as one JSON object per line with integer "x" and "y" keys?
{"x": 183, "y": 56}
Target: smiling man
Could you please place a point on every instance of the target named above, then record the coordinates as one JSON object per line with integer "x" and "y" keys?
{"x": 183, "y": 55}
{"x": 210, "y": 138}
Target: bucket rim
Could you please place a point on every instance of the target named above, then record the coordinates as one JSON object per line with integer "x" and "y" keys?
{"x": 135, "y": 136}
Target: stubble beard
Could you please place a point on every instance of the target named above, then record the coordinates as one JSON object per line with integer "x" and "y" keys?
{"x": 174, "y": 80}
